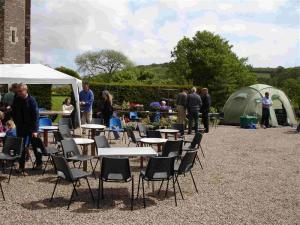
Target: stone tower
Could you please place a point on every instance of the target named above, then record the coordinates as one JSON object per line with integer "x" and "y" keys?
{"x": 15, "y": 31}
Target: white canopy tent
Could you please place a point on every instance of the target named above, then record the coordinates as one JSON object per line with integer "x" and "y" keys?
{"x": 39, "y": 74}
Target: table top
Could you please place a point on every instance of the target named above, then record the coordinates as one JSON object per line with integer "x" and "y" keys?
{"x": 127, "y": 151}
{"x": 168, "y": 130}
{"x": 2, "y": 134}
{"x": 50, "y": 112}
{"x": 154, "y": 140}
{"x": 49, "y": 127}
{"x": 83, "y": 141}
{"x": 93, "y": 126}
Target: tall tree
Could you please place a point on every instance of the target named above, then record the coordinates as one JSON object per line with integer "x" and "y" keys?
{"x": 208, "y": 60}
{"x": 68, "y": 71}
{"x": 104, "y": 61}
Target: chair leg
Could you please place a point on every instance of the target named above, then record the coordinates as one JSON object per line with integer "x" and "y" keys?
{"x": 194, "y": 181}
{"x": 74, "y": 186}
{"x": 198, "y": 159}
{"x": 167, "y": 189}
{"x": 144, "y": 200}
{"x": 79, "y": 164}
{"x": 98, "y": 200}
{"x": 93, "y": 173}
{"x": 46, "y": 164}
{"x": 132, "y": 193}
{"x": 160, "y": 187}
{"x": 138, "y": 190}
{"x": 10, "y": 172}
{"x": 87, "y": 181}
{"x": 57, "y": 180}
{"x": 174, "y": 191}
{"x": 202, "y": 151}
{"x": 71, "y": 198}
{"x": 176, "y": 181}
{"x": 2, "y": 192}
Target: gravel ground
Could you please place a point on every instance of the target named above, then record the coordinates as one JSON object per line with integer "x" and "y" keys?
{"x": 249, "y": 177}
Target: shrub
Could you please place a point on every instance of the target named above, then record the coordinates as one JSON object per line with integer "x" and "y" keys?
{"x": 42, "y": 94}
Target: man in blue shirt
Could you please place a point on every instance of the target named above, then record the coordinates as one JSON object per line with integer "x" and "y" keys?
{"x": 86, "y": 98}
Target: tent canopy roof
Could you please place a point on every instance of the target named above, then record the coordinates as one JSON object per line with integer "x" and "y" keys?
{"x": 260, "y": 87}
{"x": 33, "y": 74}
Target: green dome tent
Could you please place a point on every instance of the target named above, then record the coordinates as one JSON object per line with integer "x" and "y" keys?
{"x": 247, "y": 101}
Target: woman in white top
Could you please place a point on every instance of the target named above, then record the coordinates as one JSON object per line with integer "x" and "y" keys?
{"x": 67, "y": 106}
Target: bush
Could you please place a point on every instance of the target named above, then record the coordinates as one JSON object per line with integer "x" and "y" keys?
{"x": 42, "y": 94}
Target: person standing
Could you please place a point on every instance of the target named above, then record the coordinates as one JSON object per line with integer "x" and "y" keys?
{"x": 8, "y": 98}
{"x": 86, "y": 99}
{"x": 107, "y": 109}
{"x": 25, "y": 114}
{"x": 181, "y": 106}
{"x": 266, "y": 104}
{"x": 194, "y": 104}
{"x": 206, "y": 103}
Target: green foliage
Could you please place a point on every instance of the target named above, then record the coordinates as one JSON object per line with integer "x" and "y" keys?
{"x": 208, "y": 60}
{"x": 104, "y": 61}
{"x": 68, "y": 71}
{"x": 42, "y": 94}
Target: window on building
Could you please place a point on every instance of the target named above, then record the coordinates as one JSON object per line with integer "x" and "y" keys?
{"x": 13, "y": 36}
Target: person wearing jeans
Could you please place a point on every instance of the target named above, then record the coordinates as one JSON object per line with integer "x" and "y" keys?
{"x": 25, "y": 114}
{"x": 194, "y": 104}
{"x": 206, "y": 103}
{"x": 86, "y": 98}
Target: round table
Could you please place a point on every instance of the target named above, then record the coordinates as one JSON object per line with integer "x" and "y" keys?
{"x": 84, "y": 142}
{"x": 93, "y": 127}
{"x": 152, "y": 141}
{"x": 169, "y": 131}
{"x": 46, "y": 129}
{"x": 2, "y": 134}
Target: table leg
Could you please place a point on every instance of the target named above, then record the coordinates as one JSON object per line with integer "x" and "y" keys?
{"x": 166, "y": 135}
{"x": 158, "y": 147}
{"x": 46, "y": 138}
{"x": 175, "y": 136}
{"x": 93, "y": 147}
{"x": 141, "y": 159}
{"x": 85, "y": 152}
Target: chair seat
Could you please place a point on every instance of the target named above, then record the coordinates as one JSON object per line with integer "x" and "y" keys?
{"x": 113, "y": 177}
{"x": 4, "y": 156}
{"x": 77, "y": 173}
{"x": 189, "y": 149}
{"x": 156, "y": 177}
{"x": 51, "y": 151}
{"x": 80, "y": 158}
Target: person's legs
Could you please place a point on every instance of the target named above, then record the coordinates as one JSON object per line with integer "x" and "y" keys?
{"x": 26, "y": 142}
{"x": 267, "y": 118}
{"x": 181, "y": 114}
{"x": 89, "y": 116}
{"x": 38, "y": 157}
{"x": 83, "y": 118}
{"x": 196, "y": 119}
{"x": 263, "y": 119}
{"x": 190, "y": 116}
{"x": 205, "y": 120}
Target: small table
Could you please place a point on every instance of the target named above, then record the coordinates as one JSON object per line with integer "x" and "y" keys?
{"x": 84, "y": 142}
{"x": 154, "y": 141}
{"x": 169, "y": 131}
{"x": 2, "y": 134}
{"x": 46, "y": 129}
{"x": 128, "y": 152}
{"x": 93, "y": 128}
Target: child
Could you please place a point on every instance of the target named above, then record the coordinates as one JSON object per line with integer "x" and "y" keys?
{"x": 11, "y": 129}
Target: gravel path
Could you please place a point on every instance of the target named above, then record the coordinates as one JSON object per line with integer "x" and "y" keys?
{"x": 249, "y": 177}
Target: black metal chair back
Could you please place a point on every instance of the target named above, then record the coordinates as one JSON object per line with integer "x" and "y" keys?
{"x": 62, "y": 168}
{"x": 178, "y": 126}
{"x": 101, "y": 142}
{"x": 131, "y": 135}
{"x": 57, "y": 136}
{"x": 66, "y": 121}
{"x": 187, "y": 162}
{"x": 115, "y": 169}
{"x": 13, "y": 146}
{"x": 153, "y": 134}
{"x": 172, "y": 148}
{"x": 160, "y": 168}
{"x": 70, "y": 148}
{"x": 197, "y": 140}
{"x": 65, "y": 131}
{"x": 38, "y": 145}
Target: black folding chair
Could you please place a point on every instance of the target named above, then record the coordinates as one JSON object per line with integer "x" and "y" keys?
{"x": 172, "y": 148}
{"x": 101, "y": 142}
{"x": 153, "y": 134}
{"x": 158, "y": 169}
{"x": 57, "y": 139}
{"x": 132, "y": 138}
{"x": 66, "y": 131}
{"x": 66, "y": 121}
{"x": 2, "y": 191}
{"x": 72, "y": 153}
{"x": 38, "y": 145}
{"x": 11, "y": 152}
{"x": 142, "y": 130}
{"x": 195, "y": 144}
{"x": 115, "y": 170}
{"x": 185, "y": 166}
{"x": 64, "y": 172}
{"x": 180, "y": 127}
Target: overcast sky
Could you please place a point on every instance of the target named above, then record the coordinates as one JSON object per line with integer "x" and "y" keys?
{"x": 267, "y": 32}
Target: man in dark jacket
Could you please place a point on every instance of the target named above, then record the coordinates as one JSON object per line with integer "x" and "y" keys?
{"x": 26, "y": 117}
{"x": 194, "y": 104}
{"x": 206, "y": 102}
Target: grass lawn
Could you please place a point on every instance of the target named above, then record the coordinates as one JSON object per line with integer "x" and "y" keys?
{"x": 57, "y": 104}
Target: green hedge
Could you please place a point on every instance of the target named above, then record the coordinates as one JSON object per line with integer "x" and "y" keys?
{"x": 143, "y": 94}
{"x": 42, "y": 94}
